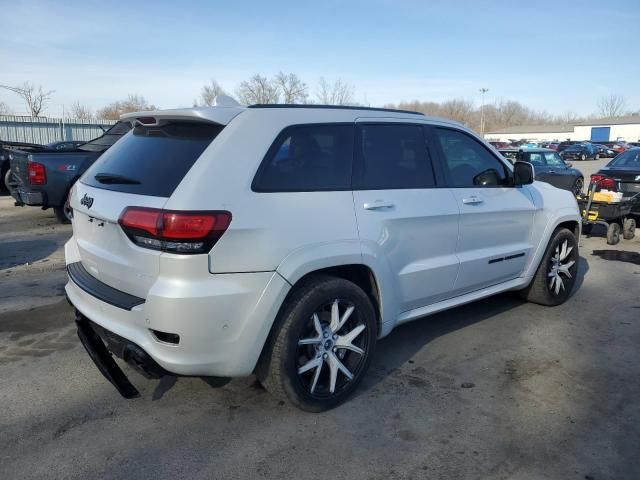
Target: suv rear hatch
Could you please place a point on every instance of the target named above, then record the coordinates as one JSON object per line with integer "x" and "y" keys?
{"x": 141, "y": 170}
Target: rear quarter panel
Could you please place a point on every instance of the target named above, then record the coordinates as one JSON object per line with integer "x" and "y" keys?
{"x": 266, "y": 228}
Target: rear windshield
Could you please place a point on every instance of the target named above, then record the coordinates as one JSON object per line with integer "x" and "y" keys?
{"x": 151, "y": 160}
{"x": 628, "y": 159}
{"x": 110, "y": 137}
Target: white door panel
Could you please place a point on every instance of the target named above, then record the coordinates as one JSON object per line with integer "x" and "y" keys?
{"x": 494, "y": 241}
{"x": 416, "y": 236}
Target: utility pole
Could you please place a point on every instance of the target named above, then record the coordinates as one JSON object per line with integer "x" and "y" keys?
{"x": 482, "y": 91}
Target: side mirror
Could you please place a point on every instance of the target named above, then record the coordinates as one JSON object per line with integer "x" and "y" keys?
{"x": 488, "y": 177}
{"x": 523, "y": 173}
{"x": 569, "y": 165}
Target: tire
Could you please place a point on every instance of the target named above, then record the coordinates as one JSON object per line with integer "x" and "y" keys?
{"x": 62, "y": 214}
{"x": 629, "y": 229}
{"x": 613, "y": 234}
{"x": 6, "y": 176}
{"x": 578, "y": 185}
{"x": 583, "y": 157}
{"x": 283, "y": 356}
{"x": 544, "y": 289}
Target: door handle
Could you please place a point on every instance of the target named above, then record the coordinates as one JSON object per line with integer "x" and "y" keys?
{"x": 377, "y": 205}
{"x": 472, "y": 200}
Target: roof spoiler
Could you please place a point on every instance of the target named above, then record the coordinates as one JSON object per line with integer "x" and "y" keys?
{"x": 223, "y": 110}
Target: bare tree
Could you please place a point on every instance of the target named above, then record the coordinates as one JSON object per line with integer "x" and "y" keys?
{"x": 428, "y": 108}
{"x": 293, "y": 89}
{"x": 35, "y": 97}
{"x": 81, "y": 112}
{"x": 133, "y": 103}
{"x": 4, "y": 109}
{"x": 337, "y": 93}
{"x": 568, "y": 117}
{"x": 457, "y": 109}
{"x": 210, "y": 92}
{"x": 258, "y": 89}
{"x": 611, "y": 105}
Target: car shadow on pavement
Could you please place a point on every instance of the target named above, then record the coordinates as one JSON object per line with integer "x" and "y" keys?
{"x": 403, "y": 343}
{"x": 20, "y": 252}
{"x": 583, "y": 269}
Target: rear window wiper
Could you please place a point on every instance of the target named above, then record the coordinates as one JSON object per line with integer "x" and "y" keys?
{"x": 112, "y": 178}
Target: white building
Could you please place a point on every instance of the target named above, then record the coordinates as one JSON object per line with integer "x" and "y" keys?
{"x": 599, "y": 130}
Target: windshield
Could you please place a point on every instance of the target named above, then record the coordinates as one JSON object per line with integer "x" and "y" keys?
{"x": 628, "y": 159}
{"x": 151, "y": 160}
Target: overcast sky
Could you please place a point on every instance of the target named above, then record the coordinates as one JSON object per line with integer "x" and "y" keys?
{"x": 550, "y": 55}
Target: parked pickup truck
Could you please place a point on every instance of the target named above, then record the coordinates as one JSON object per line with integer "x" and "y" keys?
{"x": 44, "y": 177}
{"x": 5, "y": 151}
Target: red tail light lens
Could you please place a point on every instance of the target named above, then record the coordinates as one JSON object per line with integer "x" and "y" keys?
{"x": 608, "y": 183}
{"x": 141, "y": 220}
{"x": 174, "y": 231}
{"x": 603, "y": 182}
{"x": 37, "y": 173}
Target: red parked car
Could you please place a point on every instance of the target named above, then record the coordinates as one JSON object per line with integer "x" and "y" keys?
{"x": 617, "y": 147}
{"x": 499, "y": 145}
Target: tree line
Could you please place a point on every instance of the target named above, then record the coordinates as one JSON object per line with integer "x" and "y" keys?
{"x": 291, "y": 89}
{"x": 510, "y": 113}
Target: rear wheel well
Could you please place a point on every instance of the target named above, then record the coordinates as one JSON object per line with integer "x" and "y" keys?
{"x": 359, "y": 274}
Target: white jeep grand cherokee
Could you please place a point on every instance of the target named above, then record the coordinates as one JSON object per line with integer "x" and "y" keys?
{"x": 285, "y": 240}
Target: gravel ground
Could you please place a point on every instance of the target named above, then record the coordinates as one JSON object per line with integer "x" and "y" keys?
{"x": 498, "y": 389}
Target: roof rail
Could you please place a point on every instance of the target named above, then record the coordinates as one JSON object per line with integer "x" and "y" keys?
{"x": 333, "y": 107}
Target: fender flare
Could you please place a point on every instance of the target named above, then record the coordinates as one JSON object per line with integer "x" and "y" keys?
{"x": 563, "y": 215}
{"x": 317, "y": 256}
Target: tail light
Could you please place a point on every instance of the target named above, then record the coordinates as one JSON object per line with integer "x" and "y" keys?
{"x": 37, "y": 173}
{"x": 603, "y": 182}
{"x": 174, "y": 231}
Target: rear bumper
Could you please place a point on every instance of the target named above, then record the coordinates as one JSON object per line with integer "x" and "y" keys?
{"x": 26, "y": 197}
{"x": 222, "y": 325}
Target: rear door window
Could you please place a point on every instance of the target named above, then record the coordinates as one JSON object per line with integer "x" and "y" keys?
{"x": 391, "y": 156}
{"x": 307, "y": 158}
{"x": 151, "y": 160}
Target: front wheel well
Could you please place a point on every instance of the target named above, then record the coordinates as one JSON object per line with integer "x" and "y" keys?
{"x": 572, "y": 226}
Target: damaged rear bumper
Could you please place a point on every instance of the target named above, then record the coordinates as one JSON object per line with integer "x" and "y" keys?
{"x": 102, "y": 344}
